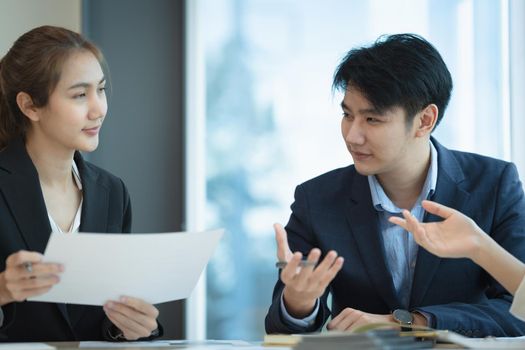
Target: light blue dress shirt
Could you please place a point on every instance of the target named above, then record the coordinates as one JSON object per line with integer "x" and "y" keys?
{"x": 400, "y": 247}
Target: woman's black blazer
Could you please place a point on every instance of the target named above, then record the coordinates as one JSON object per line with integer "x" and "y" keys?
{"x": 24, "y": 224}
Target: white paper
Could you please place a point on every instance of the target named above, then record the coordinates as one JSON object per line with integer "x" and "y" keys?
{"x": 127, "y": 345}
{"x": 156, "y": 267}
{"x": 26, "y": 346}
{"x": 179, "y": 344}
{"x": 483, "y": 343}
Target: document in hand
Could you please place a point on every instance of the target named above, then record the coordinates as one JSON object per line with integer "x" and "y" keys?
{"x": 155, "y": 267}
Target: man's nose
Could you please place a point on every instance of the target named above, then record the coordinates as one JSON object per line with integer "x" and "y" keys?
{"x": 355, "y": 133}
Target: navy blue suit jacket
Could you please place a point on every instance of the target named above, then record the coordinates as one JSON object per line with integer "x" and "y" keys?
{"x": 24, "y": 224}
{"x": 335, "y": 211}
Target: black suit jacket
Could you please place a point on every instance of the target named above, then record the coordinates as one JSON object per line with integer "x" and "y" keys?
{"x": 24, "y": 224}
{"x": 335, "y": 211}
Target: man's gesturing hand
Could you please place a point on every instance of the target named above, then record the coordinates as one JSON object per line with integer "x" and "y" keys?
{"x": 304, "y": 284}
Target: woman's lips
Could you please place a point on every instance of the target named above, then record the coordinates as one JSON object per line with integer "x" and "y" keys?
{"x": 92, "y": 131}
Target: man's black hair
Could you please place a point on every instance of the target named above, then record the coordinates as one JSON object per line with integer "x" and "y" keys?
{"x": 400, "y": 70}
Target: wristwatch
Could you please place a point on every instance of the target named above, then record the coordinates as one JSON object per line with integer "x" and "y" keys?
{"x": 404, "y": 318}
{"x": 115, "y": 334}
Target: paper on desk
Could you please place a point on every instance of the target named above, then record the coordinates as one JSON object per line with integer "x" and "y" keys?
{"x": 179, "y": 344}
{"x": 482, "y": 343}
{"x": 26, "y": 346}
{"x": 126, "y": 344}
{"x": 155, "y": 267}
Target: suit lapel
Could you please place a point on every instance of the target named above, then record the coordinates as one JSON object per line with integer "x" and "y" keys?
{"x": 363, "y": 222}
{"x": 95, "y": 199}
{"x": 447, "y": 193}
{"x": 20, "y": 186}
{"x": 28, "y": 211}
{"x": 23, "y": 194}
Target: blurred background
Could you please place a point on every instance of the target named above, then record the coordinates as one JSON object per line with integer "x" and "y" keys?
{"x": 219, "y": 108}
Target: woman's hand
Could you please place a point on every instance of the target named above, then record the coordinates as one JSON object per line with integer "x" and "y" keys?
{"x": 134, "y": 317}
{"x": 27, "y": 276}
{"x": 457, "y": 236}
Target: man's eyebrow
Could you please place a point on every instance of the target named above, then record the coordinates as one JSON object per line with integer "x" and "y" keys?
{"x": 84, "y": 84}
{"x": 365, "y": 111}
{"x": 373, "y": 111}
{"x": 344, "y": 106}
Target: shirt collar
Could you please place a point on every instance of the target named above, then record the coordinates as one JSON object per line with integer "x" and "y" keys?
{"x": 382, "y": 202}
{"x": 75, "y": 225}
{"x": 76, "y": 176}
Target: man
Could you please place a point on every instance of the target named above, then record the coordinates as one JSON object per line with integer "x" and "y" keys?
{"x": 396, "y": 92}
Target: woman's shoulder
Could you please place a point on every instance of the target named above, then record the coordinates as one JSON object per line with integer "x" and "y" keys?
{"x": 90, "y": 172}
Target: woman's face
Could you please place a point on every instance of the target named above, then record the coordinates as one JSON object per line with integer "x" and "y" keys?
{"x": 76, "y": 109}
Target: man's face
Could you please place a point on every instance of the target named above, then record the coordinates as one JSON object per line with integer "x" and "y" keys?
{"x": 380, "y": 143}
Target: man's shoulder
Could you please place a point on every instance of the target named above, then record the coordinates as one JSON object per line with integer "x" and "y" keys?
{"x": 332, "y": 179}
{"x": 325, "y": 190}
{"x": 464, "y": 158}
{"x": 476, "y": 157}
{"x": 475, "y": 162}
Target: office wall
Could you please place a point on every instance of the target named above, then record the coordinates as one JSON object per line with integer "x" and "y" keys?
{"x": 142, "y": 137}
{"x": 19, "y": 16}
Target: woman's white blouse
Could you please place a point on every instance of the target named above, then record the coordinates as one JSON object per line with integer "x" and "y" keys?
{"x": 75, "y": 225}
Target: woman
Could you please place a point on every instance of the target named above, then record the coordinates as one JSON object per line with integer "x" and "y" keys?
{"x": 458, "y": 236}
{"x": 52, "y": 105}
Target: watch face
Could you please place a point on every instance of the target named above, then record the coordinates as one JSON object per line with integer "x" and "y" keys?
{"x": 402, "y": 316}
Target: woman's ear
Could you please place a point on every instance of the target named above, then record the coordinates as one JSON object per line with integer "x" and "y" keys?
{"x": 427, "y": 120}
{"x": 26, "y": 105}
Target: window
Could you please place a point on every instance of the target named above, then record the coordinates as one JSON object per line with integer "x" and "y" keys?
{"x": 260, "y": 74}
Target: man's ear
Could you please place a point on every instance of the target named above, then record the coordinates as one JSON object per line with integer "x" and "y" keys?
{"x": 26, "y": 105}
{"x": 426, "y": 120}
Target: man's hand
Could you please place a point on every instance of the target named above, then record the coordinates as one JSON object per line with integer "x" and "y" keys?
{"x": 303, "y": 285}
{"x": 27, "y": 276}
{"x": 134, "y": 317}
{"x": 349, "y": 319}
